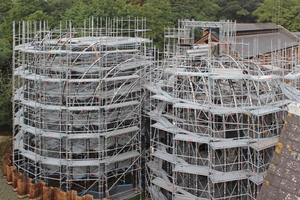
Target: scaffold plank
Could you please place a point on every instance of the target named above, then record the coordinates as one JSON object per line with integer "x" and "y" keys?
{"x": 282, "y": 103}
{"x": 264, "y": 78}
{"x": 47, "y": 79}
{"x": 271, "y": 67}
{"x": 82, "y": 136}
{"x": 257, "y": 178}
{"x": 153, "y": 166}
{"x": 117, "y": 132}
{"x": 170, "y": 129}
{"x": 18, "y": 120}
{"x": 192, "y": 138}
{"x": 164, "y": 156}
{"x": 228, "y": 143}
{"x": 78, "y": 163}
{"x": 163, "y": 184}
{"x": 171, "y": 187}
{"x": 121, "y": 78}
{"x": 173, "y": 117}
{"x": 162, "y": 98}
{"x": 19, "y": 70}
{"x": 126, "y": 89}
{"x": 119, "y": 105}
{"x": 57, "y": 161}
{"x": 228, "y": 176}
{"x": 35, "y": 104}
{"x": 196, "y": 74}
{"x": 190, "y": 106}
{"x": 193, "y": 169}
{"x": 18, "y": 94}
{"x": 292, "y": 75}
{"x": 121, "y": 157}
{"x": 186, "y": 197}
{"x": 265, "y": 110}
{"x": 218, "y": 110}
{"x": 135, "y": 64}
{"x": 228, "y": 76}
{"x": 264, "y": 143}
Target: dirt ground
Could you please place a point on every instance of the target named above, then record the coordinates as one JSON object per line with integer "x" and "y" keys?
{"x": 6, "y": 192}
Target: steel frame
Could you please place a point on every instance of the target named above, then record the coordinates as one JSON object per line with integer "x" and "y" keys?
{"x": 77, "y": 105}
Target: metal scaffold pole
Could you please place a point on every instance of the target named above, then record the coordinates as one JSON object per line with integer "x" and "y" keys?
{"x": 77, "y": 105}
{"x": 215, "y": 117}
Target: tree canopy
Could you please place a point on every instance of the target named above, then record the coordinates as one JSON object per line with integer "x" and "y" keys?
{"x": 239, "y": 10}
{"x": 285, "y": 13}
{"x": 159, "y": 14}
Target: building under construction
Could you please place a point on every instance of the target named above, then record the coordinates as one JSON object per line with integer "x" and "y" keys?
{"x": 82, "y": 96}
{"x": 77, "y": 105}
{"x": 215, "y": 115}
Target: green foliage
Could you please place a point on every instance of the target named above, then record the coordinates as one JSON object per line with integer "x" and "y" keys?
{"x": 159, "y": 16}
{"x": 113, "y": 8}
{"x": 22, "y": 9}
{"x": 5, "y": 53}
{"x": 239, "y": 10}
{"x": 285, "y": 13}
{"x": 5, "y": 103}
{"x": 57, "y": 10}
{"x": 204, "y": 10}
{"x": 5, "y": 6}
{"x": 83, "y": 10}
{"x": 77, "y": 13}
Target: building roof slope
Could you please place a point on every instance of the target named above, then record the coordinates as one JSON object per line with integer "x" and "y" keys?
{"x": 263, "y": 43}
{"x": 254, "y": 39}
{"x": 255, "y": 26}
{"x": 283, "y": 176}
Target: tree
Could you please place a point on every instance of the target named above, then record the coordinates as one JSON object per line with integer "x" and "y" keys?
{"x": 5, "y": 6}
{"x": 204, "y": 10}
{"x": 114, "y": 8}
{"x": 159, "y": 15}
{"x": 239, "y": 10}
{"x": 5, "y": 54}
{"x": 78, "y": 13}
{"x": 285, "y": 13}
{"x": 23, "y": 8}
{"x": 136, "y": 2}
{"x": 5, "y": 103}
{"x": 57, "y": 9}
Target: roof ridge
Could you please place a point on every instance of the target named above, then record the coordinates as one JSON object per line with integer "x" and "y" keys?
{"x": 290, "y": 34}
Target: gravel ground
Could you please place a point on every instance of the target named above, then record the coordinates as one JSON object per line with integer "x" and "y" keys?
{"x": 6, "y": 192}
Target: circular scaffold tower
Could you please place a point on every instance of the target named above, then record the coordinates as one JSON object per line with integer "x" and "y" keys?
{"x": 77, "y": 105}
{"x": 215, "y": 118}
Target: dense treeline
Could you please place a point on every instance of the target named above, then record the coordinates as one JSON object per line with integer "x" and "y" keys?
{"x": 159, "y": 14}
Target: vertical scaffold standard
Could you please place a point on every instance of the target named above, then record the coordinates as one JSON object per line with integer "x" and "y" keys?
{"x": 77, "y": 105}
{"x": 215, "y": 117}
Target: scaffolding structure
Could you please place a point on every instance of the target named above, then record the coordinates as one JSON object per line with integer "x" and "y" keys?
{"x": 80, "y": 95}
{"x": 77, "y": 105}
{"x": 215, "y": 117}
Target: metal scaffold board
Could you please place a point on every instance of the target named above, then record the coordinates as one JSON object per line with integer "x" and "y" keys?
{"x": 228, "y": 176}
{"x": 117, "y": 132}
{"x": 264, "y": 143}
{"x": 229, "y": 144}
{"x": 193, "y": 169}
{"x": 257, "y": 178}
{"x": 265, "y": 110}
{"x": 119, "y": 105}
{"x": 192, "y": 138}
